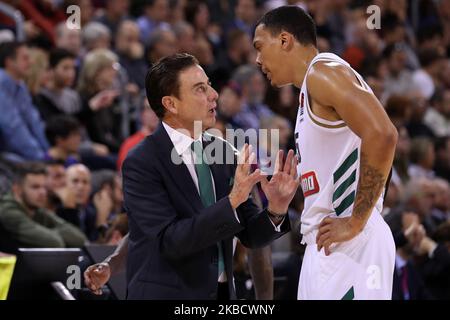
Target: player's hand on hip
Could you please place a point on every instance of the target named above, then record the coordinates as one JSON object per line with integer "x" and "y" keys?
{"x": 335, "y": 230}
{"x": 243, "y": 179}
{"x": 96, "y": 276}
{"x": 284, "y": 183}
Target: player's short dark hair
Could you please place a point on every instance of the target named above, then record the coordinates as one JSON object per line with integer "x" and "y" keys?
{"x": 22, "y": 170}
{"x": 59, "y": 54}
{"x": 292, "y": 19}
{"x": 163, "y": 79}
{"x": 8, "y": 50}
{"x": 61, "y": 126}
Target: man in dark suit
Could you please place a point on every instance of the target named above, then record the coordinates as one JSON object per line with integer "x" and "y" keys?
{"x": 185, "y": 205}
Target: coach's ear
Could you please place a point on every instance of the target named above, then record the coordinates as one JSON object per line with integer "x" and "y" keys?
{"x": 169, "y": 103}
{"x": 287, "y": 40}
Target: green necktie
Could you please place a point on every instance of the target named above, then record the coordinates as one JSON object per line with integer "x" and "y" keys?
{"x": 205, "y": 186}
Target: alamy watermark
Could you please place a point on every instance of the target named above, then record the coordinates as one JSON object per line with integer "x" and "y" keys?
{"x": 74, "y": 20}
{"x": 374, "y": 19}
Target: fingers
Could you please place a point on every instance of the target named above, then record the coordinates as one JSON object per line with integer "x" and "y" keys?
{"x": 243, "y": 155}
{"x": 278, "y": 162}
{"x": 293, "y": 172}
{"x": 288, "y": 162}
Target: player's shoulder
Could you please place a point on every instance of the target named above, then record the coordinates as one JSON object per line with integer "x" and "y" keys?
{"x": 329, "y": 72}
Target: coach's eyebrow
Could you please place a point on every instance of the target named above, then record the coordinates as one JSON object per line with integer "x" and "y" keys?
{"x": 201, "y": 83}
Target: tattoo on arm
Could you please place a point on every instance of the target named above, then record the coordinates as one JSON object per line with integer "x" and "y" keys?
{"x": 370, "y": 186}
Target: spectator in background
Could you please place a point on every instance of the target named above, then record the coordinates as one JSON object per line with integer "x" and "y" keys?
{"x": 64, "y": 134}
{"x": 437, "y": 118}
{"x": 442, "y": 163}
{"x": 416, "y": 125}
{"x": 68, "y": 39}
{"x": 131, "y": 53}
{"x": 109, "y": 182}
{"x": 37, "y": 76}
{"x": 24, "y": 218}
{"x": 402, "y": 153}
{"x": 115, "y": 12}
{"x": 161, "y": 43}
{"x": 422, "y": 158}
{"x": 149, "y": 123}
{"x": 99, "y": 106}
{"x": 244, "y": 17}
{"x": 408, "y": 282}
{"x": 419, "y": 197}
{"x": 21, "y": 129}
{"x": 230, "y": 103}
{"x": 90, "y": 217}
{"x": 252, "y": 82}
{"x": 155, "y": 17}
{"x": 427, "y": 77}
{"x": 96, "y": 36}
{"x": 441, "y": 207}
{"x": 399, "y": 110}
{"x": 237, "y": 53}
{"x": 57, "y": 97}
{"x": 398, "y": 79}
{"x": 185, "y": 35}
{"x": 56, "y": 181}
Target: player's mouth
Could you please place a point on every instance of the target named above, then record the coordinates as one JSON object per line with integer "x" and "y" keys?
{"x": 212, "y": 111}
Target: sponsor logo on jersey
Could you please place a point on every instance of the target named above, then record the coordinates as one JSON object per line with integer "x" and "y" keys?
{"x": 310, "y": 185}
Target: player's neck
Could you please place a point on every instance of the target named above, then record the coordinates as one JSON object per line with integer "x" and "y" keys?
{"x": 304, "y": 58}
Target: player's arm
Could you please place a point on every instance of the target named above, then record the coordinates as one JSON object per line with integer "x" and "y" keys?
{"x": 336, "y": 87}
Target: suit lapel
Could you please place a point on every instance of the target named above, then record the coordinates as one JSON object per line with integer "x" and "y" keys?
{"x": 179, "y": 172}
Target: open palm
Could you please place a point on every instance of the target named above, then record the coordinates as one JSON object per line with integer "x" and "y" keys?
{"x": 284, "y": 183}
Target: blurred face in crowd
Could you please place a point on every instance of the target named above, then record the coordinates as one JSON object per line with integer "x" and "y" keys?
{"x": 255, "y": 90}
{"x": 56, "y": 177}
{"x": 202, "y": 17}
{"x": 246, "y": 11}
{"x": 71, "y": 143}
{"x": 78, "y": 179}
{"x": 149, "y": 119}
{"x": 159, "y": 11}
{"x": 403, "y": 144}
{"x": 196, "y": 101}
{"x": 397, "y": 62}
{"x": 127, "y": 40}
{"x": 442, "y": 199}
{"x": 64, "y": 73}
{"x": 230, "y": 103}
{"x": 105, "y": 78}
{"x": 166, "y": 46}
{"x": 424, "y": 198}
{"x": 186, "y": 41}
{"x": 18, "y": 66}
{"x": 70, "y": 39}
{"x": 32, "y": 192}
{"x": 118, "y": 7}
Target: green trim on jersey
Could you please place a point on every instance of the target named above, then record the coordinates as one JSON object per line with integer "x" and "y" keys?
{"x": 344, "y": 186}
{"x": 351, "y": 159}
{"x": 350, "y": 295}
{"x": 347, "y": 202}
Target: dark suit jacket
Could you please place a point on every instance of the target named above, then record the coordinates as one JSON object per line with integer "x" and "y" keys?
{"x": 172, "y": 251}
{"x": 416, "y": 286}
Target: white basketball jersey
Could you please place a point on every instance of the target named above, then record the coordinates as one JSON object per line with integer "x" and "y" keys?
{"x": 329, "y": 155}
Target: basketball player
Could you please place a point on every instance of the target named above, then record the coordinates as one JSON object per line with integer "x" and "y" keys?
{"x": 345, "y": 144}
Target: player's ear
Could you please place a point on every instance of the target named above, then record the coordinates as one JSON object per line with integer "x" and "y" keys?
{"x": 287, "y": 40}
{"x": 169, "y": 103}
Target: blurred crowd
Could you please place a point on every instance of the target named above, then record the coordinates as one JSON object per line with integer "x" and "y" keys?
{"x": 72, "y": 104}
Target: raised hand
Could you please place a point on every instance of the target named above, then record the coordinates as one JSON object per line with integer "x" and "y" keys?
{"x": 243, "y": 179}
{"x": 283, "y": 185}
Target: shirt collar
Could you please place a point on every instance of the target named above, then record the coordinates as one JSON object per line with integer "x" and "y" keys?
{"x": 400, "y": 262}
{"x": 181, "y": 141}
